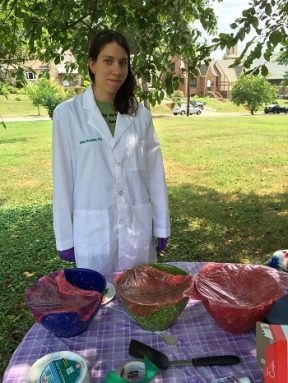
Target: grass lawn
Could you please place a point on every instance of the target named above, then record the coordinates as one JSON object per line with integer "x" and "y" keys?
{"x": 214, "y": 104}
{"x": 227, "y": 180}
{"x": 19, "y": 105}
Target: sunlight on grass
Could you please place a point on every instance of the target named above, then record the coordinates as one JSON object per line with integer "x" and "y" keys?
{"x": 19, "y": 105}
{"x": 227, "y": 182}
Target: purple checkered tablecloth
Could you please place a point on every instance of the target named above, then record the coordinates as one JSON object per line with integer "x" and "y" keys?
{"x": 105, "y": 344}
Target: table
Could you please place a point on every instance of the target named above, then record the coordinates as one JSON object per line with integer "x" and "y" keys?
{"x": 105, "y": 344}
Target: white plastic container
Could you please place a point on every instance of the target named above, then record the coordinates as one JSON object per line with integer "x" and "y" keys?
{"x": 60, "y": 367}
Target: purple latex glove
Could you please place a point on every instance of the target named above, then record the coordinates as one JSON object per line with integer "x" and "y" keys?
{"x": 67, "y": 255}
{"x": 161, "y": 244}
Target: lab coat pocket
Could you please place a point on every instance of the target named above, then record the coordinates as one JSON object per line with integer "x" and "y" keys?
{"x": 137, "y": 160}
{"x": 91, "y": 231}
{"x": 141, "y": 226}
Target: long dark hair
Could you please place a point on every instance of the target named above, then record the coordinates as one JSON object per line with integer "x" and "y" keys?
{"x": 125, "y": 101}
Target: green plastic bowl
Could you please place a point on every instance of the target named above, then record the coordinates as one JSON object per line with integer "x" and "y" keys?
{"x": 165, "y": 317}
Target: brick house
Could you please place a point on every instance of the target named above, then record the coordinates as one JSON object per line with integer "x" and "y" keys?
{"x": 33, "y": 69}
{"x": 215, "y": 79}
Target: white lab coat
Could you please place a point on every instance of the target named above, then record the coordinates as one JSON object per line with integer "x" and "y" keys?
{"x": 109, "y": 195}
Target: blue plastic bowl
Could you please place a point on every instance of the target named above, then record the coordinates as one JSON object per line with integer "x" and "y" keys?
{"x": 66, "y": 325}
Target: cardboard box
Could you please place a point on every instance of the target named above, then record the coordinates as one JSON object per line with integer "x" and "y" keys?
{"x": 272, "y": 352}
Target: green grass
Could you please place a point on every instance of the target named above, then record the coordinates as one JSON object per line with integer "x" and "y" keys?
{"x": 214, "y": 104}
{"x": 222, "y": 105}
{"x": 19, "y": 105}
{"x": 227, "y": 180}
{"x": 228, "y": 183}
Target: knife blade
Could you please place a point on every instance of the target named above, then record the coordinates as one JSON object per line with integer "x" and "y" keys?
{"x": 139, "y": 350}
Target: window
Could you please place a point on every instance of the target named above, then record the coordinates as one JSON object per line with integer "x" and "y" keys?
{"x": 66, "y": 83}
{"x": 193, "y": 82}
{"x": 172, "y": 67}
{"x": 30, "y": 76}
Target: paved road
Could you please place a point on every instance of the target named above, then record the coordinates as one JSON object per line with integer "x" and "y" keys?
{"x": 24, "y": 118}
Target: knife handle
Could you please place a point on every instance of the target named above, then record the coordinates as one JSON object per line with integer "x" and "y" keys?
{"x": 220, "y": 360}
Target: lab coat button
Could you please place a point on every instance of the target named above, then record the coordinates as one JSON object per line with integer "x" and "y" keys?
{"x": 120, "y": 221}
{"x": 120, "y": 192}
{"x": 118, "y": 163}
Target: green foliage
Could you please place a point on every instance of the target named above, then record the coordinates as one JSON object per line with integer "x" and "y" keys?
{"x": 177, "y": 99}
{"x": 252, "y": 92}
{"x": 283, "y": 56}
{"x": 268, "y": 20}
{"x": 46, "y": 93}
{"x": 156, "y": 31}
{"x": 4, "y": 89}
{"x": 285, "y": 79}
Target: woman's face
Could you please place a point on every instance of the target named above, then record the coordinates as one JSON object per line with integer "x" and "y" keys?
{"x": 110, "y": 70}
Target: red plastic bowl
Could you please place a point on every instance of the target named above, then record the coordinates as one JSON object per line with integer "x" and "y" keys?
{"x": 237, "y": 295}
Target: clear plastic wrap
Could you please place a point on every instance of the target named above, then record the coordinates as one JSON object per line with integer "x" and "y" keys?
{"x": 53, "y": 294}
{"x": 146, "y": 289}
{"x": 238, "y": 295}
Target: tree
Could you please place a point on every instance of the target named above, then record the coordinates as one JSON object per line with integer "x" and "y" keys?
{"x": 268, "y": 19}
{"x": 13, "y": 48}
{"x": 157, "y": 31}
{"x": 252, "y": 91}
{"x": 46, "y": 93}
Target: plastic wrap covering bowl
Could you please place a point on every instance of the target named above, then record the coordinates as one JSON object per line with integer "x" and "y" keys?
{"x": 74, "y": 320}
{"x": 155, "y": 310}
{"x": 238, "y": 295}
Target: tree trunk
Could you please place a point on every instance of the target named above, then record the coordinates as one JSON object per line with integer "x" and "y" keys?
{"x": 145, "y": 89}
{"x": 188, "y": 93}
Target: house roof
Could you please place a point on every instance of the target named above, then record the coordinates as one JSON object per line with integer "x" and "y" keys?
{"x": 275, "y": 70}
{"x": 35, "y": 65}
{"x": 232, "y": 74}
{"x": 204, "y": 69}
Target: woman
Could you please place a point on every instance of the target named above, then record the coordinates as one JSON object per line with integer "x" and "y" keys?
{"x": 109, "y": 197}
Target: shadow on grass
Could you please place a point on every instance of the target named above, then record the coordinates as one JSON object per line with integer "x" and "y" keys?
{"x": 206, "y": 226}
{"x": 27, "y": 251}
{"x": 12, "y": 140}
{"x": 210, "y": 226}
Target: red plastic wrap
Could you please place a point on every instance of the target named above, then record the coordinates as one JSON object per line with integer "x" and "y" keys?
{"x": 238, "y": 295}
{"x": 53, "y": 294}
{"x": 146, "y": 289}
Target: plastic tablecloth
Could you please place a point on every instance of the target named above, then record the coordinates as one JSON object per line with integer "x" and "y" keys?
{"x": 105, "y": 344}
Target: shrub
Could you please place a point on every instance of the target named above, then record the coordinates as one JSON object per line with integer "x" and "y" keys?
{"x": 46, "y": 93}
{"x": 177, "y": 99}
{"x": 4, "y": 90}
{"x": 252, "y": 92}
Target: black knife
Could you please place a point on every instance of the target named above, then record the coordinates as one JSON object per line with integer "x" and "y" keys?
{"x": 139, "y": 350}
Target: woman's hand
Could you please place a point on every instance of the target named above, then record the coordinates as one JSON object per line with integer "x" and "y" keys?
{"x": 67, "y": 255}
{"x": 161, "y": 244}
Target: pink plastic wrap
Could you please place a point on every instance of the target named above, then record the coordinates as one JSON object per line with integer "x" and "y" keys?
{"x": 238, "y": 295}
{"x": 53, "y": 294}
{"x": 146, "y": 289}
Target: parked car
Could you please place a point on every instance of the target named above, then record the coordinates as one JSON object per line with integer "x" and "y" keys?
{"x": 275, "y": 108}
{"x": 182, "y": 109}
{"x": 198, "y": 104}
